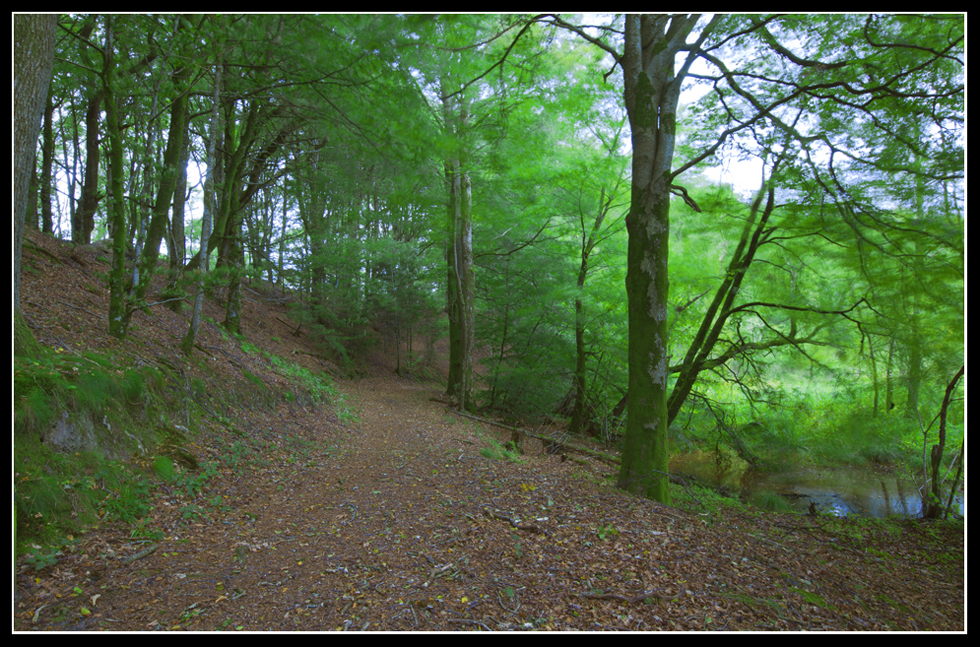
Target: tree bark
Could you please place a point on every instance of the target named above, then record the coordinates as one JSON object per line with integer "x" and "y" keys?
{"x": 117, "y": 206}
{"x": 187, "y": 345}
{"x": 578, "y": 421}
{"x": 34, "y": 41}
{"x": 652, "y": 92}
{"x": 165, "y": 193}
{"x": 718, "y": 312}
{"x": 83, "y": 223}
{"x": 459, "y": 256}
{"x": 935, "y": 506}
{"x": 47, "y": 162}
{"x": 176, "y": 240}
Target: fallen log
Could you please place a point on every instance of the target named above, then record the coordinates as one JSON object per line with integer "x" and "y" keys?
{"x": 676, "y": 479}
{"x": 607, "y": 458}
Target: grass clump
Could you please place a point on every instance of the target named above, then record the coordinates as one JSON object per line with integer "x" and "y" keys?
{"x": 499, "y": 452}
{"x": 771, "y": 502}
{"x": 76, "y": 418}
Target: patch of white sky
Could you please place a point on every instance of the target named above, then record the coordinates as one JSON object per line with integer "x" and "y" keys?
{"x": 744, "y": 175}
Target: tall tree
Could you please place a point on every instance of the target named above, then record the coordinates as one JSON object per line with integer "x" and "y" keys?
{"x": 167, "y": 181}
{"x": 34, "y": 44}
{"x": 187, "y": 344}
{"x": 470, "y": 112}
{"x": 652, "y": 93}
{"x": 843, "y": 62}
{"x": 115, "y": 191}
{"x": 459, "y": 247}
{"x": 83, "y": 221}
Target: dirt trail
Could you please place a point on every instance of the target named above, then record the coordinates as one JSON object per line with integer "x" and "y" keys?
{"x": 400, "y": 524}
{"x": 356, "y": 531}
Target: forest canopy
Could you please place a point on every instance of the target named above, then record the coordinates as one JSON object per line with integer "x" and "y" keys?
{"x": 745, "y": 229}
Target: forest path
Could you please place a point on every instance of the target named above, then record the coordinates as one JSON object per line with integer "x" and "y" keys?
{"x": 400, "y": 524}
{"x": 319, "y": 527}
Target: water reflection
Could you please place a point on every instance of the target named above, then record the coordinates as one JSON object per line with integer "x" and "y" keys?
{"x": 841, "y": 491}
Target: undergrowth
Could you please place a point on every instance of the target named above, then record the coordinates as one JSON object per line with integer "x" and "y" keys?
{"x": 94, "y": 440}
{"x": 320, "y": 388}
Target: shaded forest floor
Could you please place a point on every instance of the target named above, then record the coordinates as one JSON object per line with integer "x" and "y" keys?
{"x": 395, "y": 520}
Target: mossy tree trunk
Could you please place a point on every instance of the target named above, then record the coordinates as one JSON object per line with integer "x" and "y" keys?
{"x": 117, "y": 205}
{"x": 459, "y": 253}
{"x": 652, "y": 92}
{"x": 165, "y": 193}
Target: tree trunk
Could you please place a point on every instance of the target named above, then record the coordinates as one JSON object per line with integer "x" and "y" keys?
{"x": 718, "y": 312}
{"x": 467, "y": 290}
{"x": 453, "y": 310}
{"x": 235, "y": 259}
{"x": 578, "y": 422}
{"x": 117, "y": 205}
{"x": 459, "y": 256}
{"x": 34, "y": 40}
{"x": 874, "y": 377}
{"x": 176, "y": 243}
{"x": 209, "y": 201}
{"x": 83, "y": 223}
{"x": 651, "y": 95}
{"x": 165, "y": 194}
{"x": 47, "y": 161}
{"x": 645, "y": 459}
{"x": 935, "y": 507}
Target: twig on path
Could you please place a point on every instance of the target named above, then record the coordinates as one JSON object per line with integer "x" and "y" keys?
{"x": 630, "y": 600}
{"x": 143, "y": 553}
{"x": 470, "y": 621}
{"x": 513, "y": 522}
{"x": 352, "y": 507}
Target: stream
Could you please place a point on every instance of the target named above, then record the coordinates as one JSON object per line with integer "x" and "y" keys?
{"x": 839, "y": 490}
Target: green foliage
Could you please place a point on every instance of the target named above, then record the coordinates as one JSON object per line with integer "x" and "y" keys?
{"x": 771, "y": 502}
{"x": 41, "y": 560}
{"x": 835, "y": 333}
{"x": 142, "y": 529}
{"x": 606, "y": 530}
{"x": 498, "y": 452}
{"x": 98, "y": 408}
{"x": 254, "y": 379}
{"x": 320, "y": 388}
{"x": 57, "y": 381}
{"x": 703, "y": 500}
{"x": 130, "y": 502}
{"x": 192, "y": 512}
{"x": 784, "y": 438}
{"x": 164, "y": 469}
